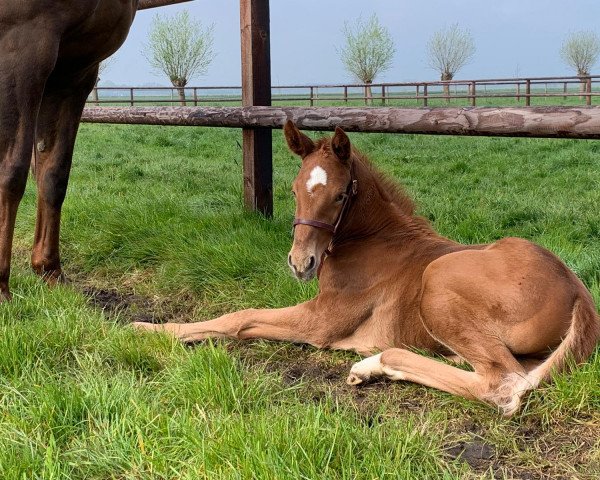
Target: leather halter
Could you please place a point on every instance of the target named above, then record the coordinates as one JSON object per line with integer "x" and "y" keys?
{"x": 350, "y": 192}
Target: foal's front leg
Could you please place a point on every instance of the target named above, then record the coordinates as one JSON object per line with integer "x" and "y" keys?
{"x": 299, "y": 324}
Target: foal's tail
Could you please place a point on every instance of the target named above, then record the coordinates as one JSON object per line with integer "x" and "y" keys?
{"x": 577, "y": 346}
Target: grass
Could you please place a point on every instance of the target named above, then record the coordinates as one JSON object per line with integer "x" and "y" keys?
{"x": 155, "y": 214}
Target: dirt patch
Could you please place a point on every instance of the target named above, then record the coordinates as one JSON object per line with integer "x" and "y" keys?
{"x": 476, "y": 453}
{"x": 126, "y": 307}
{"x": 129, "y": 307}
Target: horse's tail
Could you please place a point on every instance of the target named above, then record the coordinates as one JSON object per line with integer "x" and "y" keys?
{"x": 577, "y": 346}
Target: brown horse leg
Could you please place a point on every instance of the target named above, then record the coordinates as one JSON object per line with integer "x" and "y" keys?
{"x": 58, "y": 120}
{"x": 295, "y": 324}
{"x": 26, "y": 60}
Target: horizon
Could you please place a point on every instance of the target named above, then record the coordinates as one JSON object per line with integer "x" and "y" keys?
{"x": 508, "y": 47}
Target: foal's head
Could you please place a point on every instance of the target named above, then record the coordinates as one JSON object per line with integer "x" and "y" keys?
{"x": 321, "y": 189}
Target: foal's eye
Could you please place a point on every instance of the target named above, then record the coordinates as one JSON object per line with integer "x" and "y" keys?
{"x": 340, "y": 197}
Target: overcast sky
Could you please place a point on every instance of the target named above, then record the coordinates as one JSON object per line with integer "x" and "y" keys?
{"x": 513, "y": 38}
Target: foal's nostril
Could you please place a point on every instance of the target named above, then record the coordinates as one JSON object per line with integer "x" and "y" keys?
{"x": 311, "y": 262}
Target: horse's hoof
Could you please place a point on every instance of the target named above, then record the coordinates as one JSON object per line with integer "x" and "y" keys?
{"x": 150, "y": 327}
{"x": 354, "y": 379}
{"x": 143, "y": 326}
{"x": 364, "y": 370}
{"x": 53, "y": 279}
{"x": 5, "y": 296}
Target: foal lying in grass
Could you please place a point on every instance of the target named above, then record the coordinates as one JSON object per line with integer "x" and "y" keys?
{"x": 389, "y": 283}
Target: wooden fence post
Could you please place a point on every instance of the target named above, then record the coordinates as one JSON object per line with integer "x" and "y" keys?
{"x": 527, "y": 93}
{"x": 425, "y": 95}
{"x": 345, "y": 93}
{"x": 564, "y": 90}
{"x": 518, "y": 92}
{"x": 383, "y": 101}
{"x": 131, "y": 97}
{"x": 312, "y": 96}
{"x": 473, "y": 93}
{"x": 195, "y": 97}
{"x": 256, "y": 90}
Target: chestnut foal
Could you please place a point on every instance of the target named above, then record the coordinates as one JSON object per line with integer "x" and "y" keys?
{"x": 389, "y": 283}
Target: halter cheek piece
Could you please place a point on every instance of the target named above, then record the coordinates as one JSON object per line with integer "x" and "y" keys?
{"x": 350, "y": 192}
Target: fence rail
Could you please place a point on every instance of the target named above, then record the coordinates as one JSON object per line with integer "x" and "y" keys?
{"x": 545, "y": 122}
{"x": 522, "y": 90}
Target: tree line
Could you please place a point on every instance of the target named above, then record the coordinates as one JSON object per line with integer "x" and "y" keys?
{"x": 182, "y": 48}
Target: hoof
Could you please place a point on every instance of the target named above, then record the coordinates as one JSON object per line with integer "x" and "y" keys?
{"x": 5, "y": 296}
{"x": 51, "y": 277}
{"x": 56, "y": 279}
{"x": 364, "y": 370}
{"x": 354, "y": 379}
{"x": 145, "y": 326}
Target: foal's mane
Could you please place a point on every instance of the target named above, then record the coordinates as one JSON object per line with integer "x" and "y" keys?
{"x": 388, "y": 188}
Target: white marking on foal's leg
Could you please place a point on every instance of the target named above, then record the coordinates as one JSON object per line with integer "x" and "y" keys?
{"x": 318, "y": 176}
{"x": 365, "y": 369}
{"x": 509, "y": 393}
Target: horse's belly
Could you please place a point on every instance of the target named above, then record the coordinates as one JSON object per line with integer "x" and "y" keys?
{"x": 100, "y": 34}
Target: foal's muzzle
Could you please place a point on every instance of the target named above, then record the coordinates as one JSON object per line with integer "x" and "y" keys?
{"x": 305, "y": 268}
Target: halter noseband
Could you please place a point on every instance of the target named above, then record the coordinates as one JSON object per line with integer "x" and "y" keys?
{"x": 350, "y": 192}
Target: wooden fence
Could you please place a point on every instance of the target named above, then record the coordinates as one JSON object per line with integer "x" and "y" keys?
{"x": 546, "y": 122}
{"x": 522, "y": 90}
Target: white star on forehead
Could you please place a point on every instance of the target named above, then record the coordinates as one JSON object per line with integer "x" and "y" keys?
{"x": 318, "y": 176}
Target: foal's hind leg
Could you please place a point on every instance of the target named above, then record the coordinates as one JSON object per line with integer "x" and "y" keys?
{"x": 401, "y": 364}
{"x": 58, "y": 120}
{"x": 27, "y": 56}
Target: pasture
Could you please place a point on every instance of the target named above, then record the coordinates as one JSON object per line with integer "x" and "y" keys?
{"x": 153, "y": 229}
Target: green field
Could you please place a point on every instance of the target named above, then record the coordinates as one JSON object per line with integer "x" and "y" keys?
{"x": 153, "y": 229}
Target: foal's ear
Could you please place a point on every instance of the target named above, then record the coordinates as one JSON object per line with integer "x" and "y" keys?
{"x": 340, "y": 144}
{"x": 298, "y": 143}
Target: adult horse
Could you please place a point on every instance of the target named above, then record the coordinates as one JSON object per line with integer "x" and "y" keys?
{"x": 388, "y": 282}
{"x": 49, "y": 56}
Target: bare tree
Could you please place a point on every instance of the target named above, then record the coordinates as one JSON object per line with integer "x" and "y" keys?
{"x": 448, "y": 51}
{"x": 103, "y": 67}
{"x": 368, "y": 50}
{"x": 179, "y": 47}
{"x": 580, "y": 51}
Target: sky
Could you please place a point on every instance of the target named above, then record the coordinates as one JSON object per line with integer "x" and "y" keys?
{"x": 512, "y": 38}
